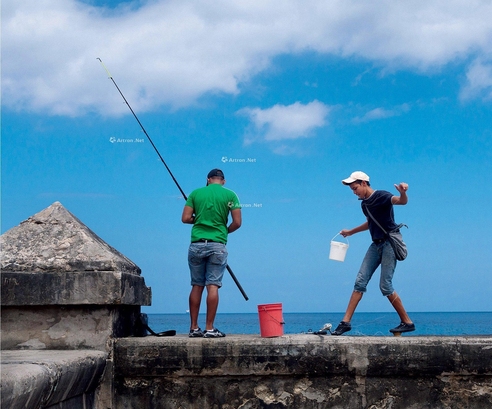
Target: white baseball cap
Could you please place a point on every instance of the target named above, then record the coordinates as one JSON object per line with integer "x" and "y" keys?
{"x": 358, "y": 175}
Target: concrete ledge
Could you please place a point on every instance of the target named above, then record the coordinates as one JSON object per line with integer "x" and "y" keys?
{"x": 34, "y": 379}
{"x": 302, "y": 354}
{"x": 304, "y": 371}
{"x": 73, "y": 288}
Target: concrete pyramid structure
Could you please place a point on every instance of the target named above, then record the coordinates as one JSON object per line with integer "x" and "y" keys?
{"x": 55, "y": 240}
{"x": 66, "y": 298}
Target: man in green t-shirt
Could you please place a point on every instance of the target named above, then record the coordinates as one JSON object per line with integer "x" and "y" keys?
{"x": 207, "y": 209}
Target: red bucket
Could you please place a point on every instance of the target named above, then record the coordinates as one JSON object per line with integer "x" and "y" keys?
{"x": 271, "y": 320}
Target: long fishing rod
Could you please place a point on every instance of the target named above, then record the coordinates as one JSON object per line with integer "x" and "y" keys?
{"x": 167, "y": 167}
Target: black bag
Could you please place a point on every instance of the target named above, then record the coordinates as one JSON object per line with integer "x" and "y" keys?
{"x": 142, "y": 326}
{"x": 395, "y": 238}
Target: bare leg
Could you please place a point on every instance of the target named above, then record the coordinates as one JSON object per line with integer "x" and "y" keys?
{"x": 353, "y": 302}
{"x": 194, "y": 302}
{"x": 212, "y": 304}
{"x": 395, "y": 301}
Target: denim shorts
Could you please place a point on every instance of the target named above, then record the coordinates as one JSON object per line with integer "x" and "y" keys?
{"x": 207, "y": 261}
{"x": 377, "y": 254}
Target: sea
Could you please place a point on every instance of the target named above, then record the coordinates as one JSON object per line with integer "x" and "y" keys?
{"x": 363, "y": 323}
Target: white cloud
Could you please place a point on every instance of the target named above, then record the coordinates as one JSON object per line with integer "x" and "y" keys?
{"x": 383, "y": 113}
{"x": 171, "y": 52}
{"x": 478, "y": 81}
{"x": 282, "y": 122}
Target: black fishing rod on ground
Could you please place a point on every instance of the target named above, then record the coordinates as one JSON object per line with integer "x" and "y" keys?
{"x": 167, "y": 167}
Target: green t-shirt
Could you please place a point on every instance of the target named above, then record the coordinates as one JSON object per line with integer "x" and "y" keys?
{"x": 211, "y": 205}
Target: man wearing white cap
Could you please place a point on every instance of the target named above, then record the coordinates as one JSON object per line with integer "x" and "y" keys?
{"x": 380, "y": 253}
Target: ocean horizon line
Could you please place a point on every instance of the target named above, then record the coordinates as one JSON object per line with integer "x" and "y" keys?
{"x": 330, "y": 312}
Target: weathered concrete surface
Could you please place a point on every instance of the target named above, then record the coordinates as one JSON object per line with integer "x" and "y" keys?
{"x": 304, "y": 371}
{"x": 69, "y": 327}
{"x": 63, "y": 262}
{"x": 49, "y": 379}
{"x": 55, "y": 240}
{"x": 63, "y": 287}
{"x": 64, "y": 291}
{"x": 73, "y": 288}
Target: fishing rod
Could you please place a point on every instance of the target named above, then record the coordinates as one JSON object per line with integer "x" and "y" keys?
{"x": 167, "y": 167}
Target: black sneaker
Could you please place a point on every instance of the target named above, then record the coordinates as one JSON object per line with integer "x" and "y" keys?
{"x": 403, "y": 328}
{"x": 342, "y": 328}
{"x": 213, "y": 333}
{"x": 196, "y": 333}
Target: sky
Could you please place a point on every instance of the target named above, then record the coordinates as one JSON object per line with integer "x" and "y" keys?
{"x": 287, "y": 99}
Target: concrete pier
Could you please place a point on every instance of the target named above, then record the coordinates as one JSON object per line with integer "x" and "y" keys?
{"x": 304, "y": 371}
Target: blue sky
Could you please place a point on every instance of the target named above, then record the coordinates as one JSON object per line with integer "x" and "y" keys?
{"x": 287, "y": 102}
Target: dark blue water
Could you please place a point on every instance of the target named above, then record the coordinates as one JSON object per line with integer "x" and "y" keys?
{"x": 363, "y": 324}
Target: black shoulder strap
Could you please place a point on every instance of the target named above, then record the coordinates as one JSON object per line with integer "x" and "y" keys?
{"x": 375, "y": 221}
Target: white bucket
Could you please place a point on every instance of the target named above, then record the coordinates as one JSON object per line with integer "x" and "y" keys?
{"x": 338, "y": 250}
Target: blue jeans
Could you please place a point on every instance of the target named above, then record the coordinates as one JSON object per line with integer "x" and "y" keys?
{"x": 377, "y": 254}
{"x": 207, "y": 262}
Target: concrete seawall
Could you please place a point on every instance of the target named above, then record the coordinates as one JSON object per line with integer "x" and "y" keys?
{"x": 303, "y": 371}
{"x": 249, "y": 372}
{"x": 71, "y": 322}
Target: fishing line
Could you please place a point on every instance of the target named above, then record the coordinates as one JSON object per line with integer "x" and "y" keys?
{"x": 167, "y": 167}
{"x": 143, "y": 129}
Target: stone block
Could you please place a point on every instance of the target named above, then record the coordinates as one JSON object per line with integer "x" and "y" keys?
{"x": 73, "y": 288}
{"x": 68, "y": 327}
{"x": 34, "y": 379}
